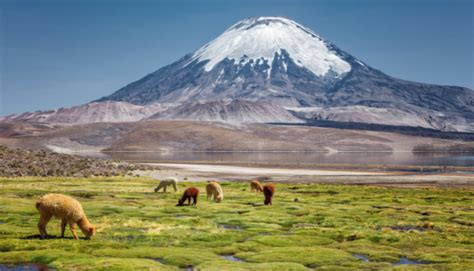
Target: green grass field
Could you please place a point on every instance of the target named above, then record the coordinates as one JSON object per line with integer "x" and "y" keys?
{"x": 309, "y": 226}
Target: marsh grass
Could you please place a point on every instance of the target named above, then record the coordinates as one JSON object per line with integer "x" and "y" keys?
{"x": 328, "y": 227}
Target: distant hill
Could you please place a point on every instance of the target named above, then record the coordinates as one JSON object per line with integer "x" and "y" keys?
{"x": 169, "y": 136}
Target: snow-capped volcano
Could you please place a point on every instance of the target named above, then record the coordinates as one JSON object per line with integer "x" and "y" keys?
{"x": 262, "y": 39}
{"x": 272, "y": 67}
{"x": 269, "y": 59}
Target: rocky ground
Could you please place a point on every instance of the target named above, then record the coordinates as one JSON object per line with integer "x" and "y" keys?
{"x": 18, "y": 162}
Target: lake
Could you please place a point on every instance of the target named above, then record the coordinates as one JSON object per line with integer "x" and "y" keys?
{"x": 354, "y": 158}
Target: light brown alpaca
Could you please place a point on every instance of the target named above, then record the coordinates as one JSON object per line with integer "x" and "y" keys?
{"x": 255, "y": 186}
{"x": 214, "y": 190}
{"x": 66, "y": 208}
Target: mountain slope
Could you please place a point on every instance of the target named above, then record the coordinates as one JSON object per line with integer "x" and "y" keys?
{"x": 108, "y": 111}
{"x": 447, "y": 108}
{"x": 234, "y": 111}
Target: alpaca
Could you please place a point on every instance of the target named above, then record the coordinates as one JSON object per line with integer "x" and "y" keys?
{"x": 268, "y": 191}
{"x": 173, "y": 181}
{"x": 214, "y": 190}
{"x": 190, "y": 193}
{"x": 255, "y": 186}
{"x": 66, "y": 208}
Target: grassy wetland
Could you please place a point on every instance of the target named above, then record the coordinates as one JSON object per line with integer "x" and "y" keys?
{"x": 309, "y": 226}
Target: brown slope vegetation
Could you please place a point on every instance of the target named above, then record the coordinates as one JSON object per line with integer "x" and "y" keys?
{"x": 21, "y": 162}
{"x": 467, "y": 147}
{"x": 94, "y": 136}
{"x": 204, "y": 136}
{"x": 193, "y": 136}
{"x": 199, "y": 136}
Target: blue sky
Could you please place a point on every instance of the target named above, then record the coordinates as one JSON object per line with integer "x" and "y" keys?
{"x": 69, "y": 52}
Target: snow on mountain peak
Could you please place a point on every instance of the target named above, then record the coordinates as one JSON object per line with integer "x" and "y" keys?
{"x": 261, "y": 38}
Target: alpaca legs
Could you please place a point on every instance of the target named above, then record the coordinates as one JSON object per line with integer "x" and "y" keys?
{"x": 73, "y": 231}
{"x": 44, "y": 219}
{"x": 63, "y": 227}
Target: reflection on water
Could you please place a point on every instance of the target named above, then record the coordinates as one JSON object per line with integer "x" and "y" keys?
{"x": 353, "y": 158}
{"x": 407, "y": 261}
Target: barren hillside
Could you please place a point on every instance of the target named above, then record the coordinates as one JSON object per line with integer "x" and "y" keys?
{"x": 170, "y": 136}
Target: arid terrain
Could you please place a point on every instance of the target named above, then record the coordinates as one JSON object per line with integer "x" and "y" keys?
{"x": 169, "y": 136}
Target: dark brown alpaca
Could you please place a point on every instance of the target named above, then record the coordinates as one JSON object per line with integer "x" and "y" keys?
{"x": 190, "y": 193}
{"x": 268, "y": 191}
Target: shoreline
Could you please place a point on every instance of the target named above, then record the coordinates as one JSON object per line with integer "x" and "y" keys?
{"x": 241, "y": 170}
{"x": 203, "y": 172}
{"x": 370, "y": 168}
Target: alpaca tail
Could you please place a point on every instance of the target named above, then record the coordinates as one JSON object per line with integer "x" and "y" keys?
{"x": 38, "y": 204}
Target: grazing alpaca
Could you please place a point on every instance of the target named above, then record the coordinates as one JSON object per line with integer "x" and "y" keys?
{"x": 167, "y": 182}
{"x": 255, "y": 186}
{"x": 268, "y": 191}
{"x": 68, "y": 209}
{"x": 190, "y": 193}
{"x": 214, "y": 190}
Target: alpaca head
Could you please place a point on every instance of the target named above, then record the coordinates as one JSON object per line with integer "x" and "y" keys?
{"x": 180, "y": 202}
{"x": 88, "y": 230}
{"x": 218, "y": 198}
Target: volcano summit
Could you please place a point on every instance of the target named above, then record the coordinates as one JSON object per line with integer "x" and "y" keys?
{"x": 268, "y": 59}
{"x": 272, "y": 69}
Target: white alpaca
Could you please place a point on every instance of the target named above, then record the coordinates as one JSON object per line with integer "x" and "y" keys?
{"x": 173, "y": 181}
{"x": 214, "y": 190}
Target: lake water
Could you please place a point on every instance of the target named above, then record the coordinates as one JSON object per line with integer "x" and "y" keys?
{"x": 353, "y": 158}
